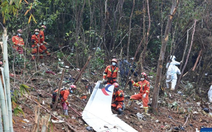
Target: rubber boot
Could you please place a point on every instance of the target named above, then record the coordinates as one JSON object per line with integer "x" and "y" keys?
{"x": 66, "y": 112}
{"x": 120, "y": 111}
{"x": 146, "y": 111}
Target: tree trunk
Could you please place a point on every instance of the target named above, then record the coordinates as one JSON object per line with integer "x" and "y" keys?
{"x": 128, "y": 42}
{"x": 58, "y": 93}
{"x": 192, "y": 39}
{"x": 161, "y": 57}
{"x": 146, "y": 35}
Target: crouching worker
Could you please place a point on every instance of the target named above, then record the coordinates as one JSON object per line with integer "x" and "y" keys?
{"x": 144, "y": 87}
{"x": 118, "y": 98}
{"x": 64, "y": 93}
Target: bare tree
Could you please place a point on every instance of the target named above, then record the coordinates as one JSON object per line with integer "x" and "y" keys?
{"x": 161, "y": 57}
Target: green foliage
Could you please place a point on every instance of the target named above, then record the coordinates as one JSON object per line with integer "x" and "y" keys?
{"x": 97, "y": 63}
{"x": 24, "y": 88}
{"x": 152, "y": 73}
{"x": 17, "y": 111}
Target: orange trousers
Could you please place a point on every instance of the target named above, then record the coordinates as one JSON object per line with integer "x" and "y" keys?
{"x": 140, "y": 96}
{"x": 116, "y": 105}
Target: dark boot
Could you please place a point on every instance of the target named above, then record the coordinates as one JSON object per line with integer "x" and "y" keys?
{"x": 120, "y": 111}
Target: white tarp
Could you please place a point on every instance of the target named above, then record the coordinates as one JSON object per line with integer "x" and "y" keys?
{"x": 98, "y": 114}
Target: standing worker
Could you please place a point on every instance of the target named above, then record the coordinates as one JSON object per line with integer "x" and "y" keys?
{"x": 118, "y": 98}
{"x": 18, "y": 42}
{"x": 111, "y": 72}
{"x": 36, "y": 41}
{"x": 42, "y": 40}
{"x": 171, "y": 76}
{"x": 144, "y": 86}
{"x": 64, "y": 93}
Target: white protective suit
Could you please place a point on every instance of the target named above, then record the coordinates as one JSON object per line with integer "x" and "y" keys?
{"x": 210, "y": 94}
{"x": 173, "y": 61}
{"x": 171, "y": 75}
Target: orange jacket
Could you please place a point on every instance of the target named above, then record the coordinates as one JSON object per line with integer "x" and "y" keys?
{"x": 35, "y": 39}
{"x": 118, "y": 96}
{"x": 144, "y": 86}
{"x": 41, "y": 33}
{"x": 17, "y": 40}
{"x": 110, "y": 72}
{"x": 64, "y": 94}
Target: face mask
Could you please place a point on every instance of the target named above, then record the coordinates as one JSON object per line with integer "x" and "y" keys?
{"x": 142, "y": 79}
{"x": 71, "y": 91}
{"x": 113, "y": 63}
{"x": 36, "y": 33}
{"x": 19, "y": 34}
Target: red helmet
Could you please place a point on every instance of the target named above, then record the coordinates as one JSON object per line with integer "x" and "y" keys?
{"x": 43, "y": 26}
{"x": 116, "y": 85}
{"x": 114, "y": 60}
{"x": 36, "y": 30}
{"x": 19, "y": 31}
{"x": 73, "y": 87}
{"x": 143, "y": 74}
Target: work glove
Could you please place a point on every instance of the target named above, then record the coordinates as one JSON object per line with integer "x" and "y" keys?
{"x": 67, "y": 103}
{"x": 41, "y": 44}
{"x": 38, "y": 45}
{"x": 104, "y": 81}
{"x": 144, "y": 95}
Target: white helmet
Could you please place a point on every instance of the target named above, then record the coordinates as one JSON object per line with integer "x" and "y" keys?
{"x": 172, "y": 57}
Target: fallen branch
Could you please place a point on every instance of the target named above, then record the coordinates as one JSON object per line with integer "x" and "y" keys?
{"x": 186, "y": 121}
{"x": 66, "y": 122}
{"x": 82, "y": 70}
{"x": 200, "y": 52}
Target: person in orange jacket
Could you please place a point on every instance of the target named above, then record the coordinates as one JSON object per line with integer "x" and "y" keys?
{"x": 64, "y": 93}
{"x": 118, "y": 98}
{"x": 36, "y": 42}
{"x": 18, "y": 42}
{"x": 144, "y": 86}
{"x": 111, "y": 72}
{"x": 42, "y": 40}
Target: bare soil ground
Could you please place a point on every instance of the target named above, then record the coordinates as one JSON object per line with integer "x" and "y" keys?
{"x": 177, "y": 112}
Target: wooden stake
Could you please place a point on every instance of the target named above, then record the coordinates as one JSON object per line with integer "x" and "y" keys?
{"x": 82, "y": 70}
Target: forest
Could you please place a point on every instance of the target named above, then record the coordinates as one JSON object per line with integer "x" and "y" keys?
{"x": 87, "y": 34}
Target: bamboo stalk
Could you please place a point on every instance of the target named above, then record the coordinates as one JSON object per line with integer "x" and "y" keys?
{"x": 45, "y": 122}
{"x": 1, "y": 127}
{"x": 7, "y": 78}
{"x": 4, "y": 110}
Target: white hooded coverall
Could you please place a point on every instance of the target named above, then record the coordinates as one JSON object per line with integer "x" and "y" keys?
{"x": 210, "y": 94}
{"x": 171, "y": 75}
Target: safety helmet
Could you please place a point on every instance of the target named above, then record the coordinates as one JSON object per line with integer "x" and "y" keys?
{"x": 36, "y": 30}
{"x": 19, "y": 31}
{"x": 172, "y": 57}
{"x": 143, "y": 76}
{"x": 116, "y": 85}
{"x": 114, "y": 60}
{"x": 43, "y": 26}
{"x": 73, "y": 87}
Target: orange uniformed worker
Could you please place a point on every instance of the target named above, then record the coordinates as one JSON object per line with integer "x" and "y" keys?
{"x": 144, "y": 86}
{"x": 42, "y": 40}
{"x": 64, "y": 93}
{"x": 111, "y": 72}
{"x": 18, "y": 42}
{"x": 36, "y": 41}
{"x": 118, "y": 98}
